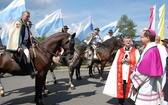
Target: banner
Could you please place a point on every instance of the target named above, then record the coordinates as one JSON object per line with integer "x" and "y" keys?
{"x": 152, "y": 17}
{"x": 111, "y": 26}
{"x": 4, "y": 32}
{"x": 50, "y": 23}
{"x": 84, "y": 29}
{"x": 161, "y": 21}
{"x": 12, "y": 11}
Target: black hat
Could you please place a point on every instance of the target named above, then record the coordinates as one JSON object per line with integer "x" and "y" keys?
{"x": 110, "y": 31}
{"x": 66, "y": 27}
{"x": 97, "y": 29}
{"x": 165, "y": 40}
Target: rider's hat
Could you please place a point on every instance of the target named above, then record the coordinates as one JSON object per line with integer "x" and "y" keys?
{"x": 66, "y": 27}
{"x": 110, "y": 31}
{"x": 165, "y": 40}
{"x": 97, "y": 29}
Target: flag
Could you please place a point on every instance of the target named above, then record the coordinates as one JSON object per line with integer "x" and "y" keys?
{"x": 161, "y": 21}
{"x": 51, "y": 22}
{"x": 12, "y": 11}
{"x": 152, "y": 17}
{"x": 111, "y": 26}
{"x": 4, "y": 32}
{"x": 84, "y": 29}
{"x": 116, "y": 32}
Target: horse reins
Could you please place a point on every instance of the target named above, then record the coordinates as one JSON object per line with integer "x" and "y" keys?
{"x": 44, "y": 48}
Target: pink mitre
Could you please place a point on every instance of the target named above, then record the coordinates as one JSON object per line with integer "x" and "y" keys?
{"x": 152, "y": 31}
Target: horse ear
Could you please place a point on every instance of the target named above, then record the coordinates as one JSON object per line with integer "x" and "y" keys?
{"x": 73, "y": 35}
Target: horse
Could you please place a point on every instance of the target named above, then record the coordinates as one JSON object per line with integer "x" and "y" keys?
{"x": 44, "y": 50}
{"x": 103, "y": 53}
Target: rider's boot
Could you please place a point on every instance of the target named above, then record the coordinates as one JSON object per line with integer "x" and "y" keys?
{"x": 31, "y": 70}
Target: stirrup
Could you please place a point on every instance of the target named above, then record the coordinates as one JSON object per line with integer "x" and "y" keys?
{"x": 33, "y": 74}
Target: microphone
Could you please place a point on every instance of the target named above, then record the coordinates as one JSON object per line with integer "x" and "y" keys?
{"x": 126, "y": 55}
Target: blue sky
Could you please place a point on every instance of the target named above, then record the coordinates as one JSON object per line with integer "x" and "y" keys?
{"x": 102, "y": 12}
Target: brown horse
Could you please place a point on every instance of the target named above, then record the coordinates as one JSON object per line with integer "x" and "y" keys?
{"x": 44, "y": 50}
{"x": 103, "y": 53}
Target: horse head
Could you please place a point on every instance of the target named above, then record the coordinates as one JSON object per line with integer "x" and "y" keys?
{"x": 69, "y": 44}
{"x": 119, "y": 41}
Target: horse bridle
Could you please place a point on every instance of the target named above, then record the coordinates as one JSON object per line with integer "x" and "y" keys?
{"x": 50, "y": 52}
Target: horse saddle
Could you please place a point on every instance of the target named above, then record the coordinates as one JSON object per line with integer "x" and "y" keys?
{"x": 19, "y": 57}
{"x": 91, "y": 53}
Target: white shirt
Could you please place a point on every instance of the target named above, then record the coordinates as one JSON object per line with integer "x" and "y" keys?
{"x": 125, "y": 67}
{"x": 106, "y": 37}
{"x": 96, "y": 39}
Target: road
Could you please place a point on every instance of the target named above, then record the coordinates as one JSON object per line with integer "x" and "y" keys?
{"x": 88, "y": 91}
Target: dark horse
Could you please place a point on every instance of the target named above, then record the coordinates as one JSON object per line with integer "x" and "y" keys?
{"x": 103, "y": 53}
{"x": 44, "y": 50}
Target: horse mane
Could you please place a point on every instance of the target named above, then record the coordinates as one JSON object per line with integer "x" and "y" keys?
{"x": 109, "y": 41}
{"x": 80, "y": 48}
{"x": 56, "y": 36}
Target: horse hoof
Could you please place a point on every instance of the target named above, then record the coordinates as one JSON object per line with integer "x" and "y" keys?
{"x": 79, "y": 78}
{"x": 101, "y": 80}
{"x": 45, "y": 95}
{"x": 55, "y": 82}
{"x": 2, "y": 93}
{"x": 72, "y": 88}
{"x": 91, "y": 75}
{"x": 39, "y": 102}
{"x": 46, "y": 91}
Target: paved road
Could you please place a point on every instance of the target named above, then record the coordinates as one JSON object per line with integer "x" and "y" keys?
{"x": 20, "y": 90}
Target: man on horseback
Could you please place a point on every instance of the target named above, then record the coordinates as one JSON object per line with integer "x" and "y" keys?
{"x": 108, "y": 36}
{"x": 93, "y": 40}
{"x": 20, "y": 40}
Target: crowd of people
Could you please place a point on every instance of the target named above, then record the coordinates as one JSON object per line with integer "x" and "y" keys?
{"x": 143, "y": 74}
{"x": 142, "y": 70}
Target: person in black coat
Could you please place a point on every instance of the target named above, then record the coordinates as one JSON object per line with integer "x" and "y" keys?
{"x": 165, "y": 88}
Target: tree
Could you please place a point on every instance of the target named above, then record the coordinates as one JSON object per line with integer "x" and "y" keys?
{"x": 41, "y": 38}
{"x": 127, "y": 27}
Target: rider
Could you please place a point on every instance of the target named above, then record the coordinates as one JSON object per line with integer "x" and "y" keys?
{"x": 93, "y": 40}
{"x": 19, "y": 40}
{"x": 67, "y": 55}
{"x": 108, "y": 36}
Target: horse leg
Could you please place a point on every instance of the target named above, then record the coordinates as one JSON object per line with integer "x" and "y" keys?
{"x": 71, "y": 72}
{"x": 94, "y": 68}
{"x": 52, "y": 72}
{"x": 2, "y": 91}
{"x": 98, "y": 68}
{"x": 90, "y": 71}
{"x": 78, "y": 76}
{"x": 54, "y": 77}
{"x": 101, "y": 71}
{"x": 45, "y": 91}
{"x": 96, "y": 65}
{"x": 39, "y": 83}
